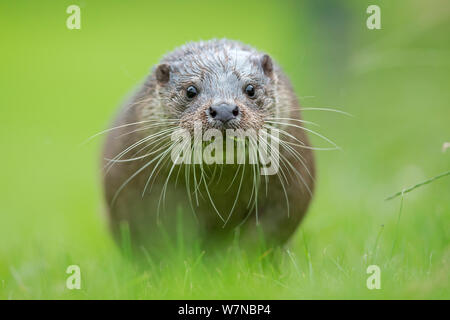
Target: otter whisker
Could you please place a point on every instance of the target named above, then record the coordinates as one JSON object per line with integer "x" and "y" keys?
{"x": 295, "y": 171}
{"x": 299, "y": 108}
{"x": 306, "y": 97}
{"x": 328, "y": 109}
{"x": 306, "y": 129}
{"x": 109, "y": 165}
{"x": 293, "y": 151}
{"x": 163, "y": 192}
{"x": 220, "y": 175}
{"x": 285, "y": 133}
{"x": 296, "y": 120}
{"x": 119, "y": 127}
{"x": 256, "y": 177}
{"x": 287, "y": 145}
{"x": 196, "y": 185}
{"x": 187, "y": 173}
{"x": 150, "y": 137}
{"x": 260, "y": 155}
{"x": 164, "y": 161}
{"x": 210, "y": 198}
{"x": 156, "y": 140}
{"x": 213, "y": 176}
{"x": 132, "y": 177}
{"x": 178, "y": 174}
{"x": 302, "y": 144}
{"x": 251, "y": 146}
{"x": 202, "y": 178}
{"x": 134, "y": 145}
{"x": 236, "y": 198}
{"x": 298, "y": 174}
{"x": 154, "y": 144}
{"x": 140, "y": 157}
{"x": 281, "y": 177}
{"x": 153, "y": 126}
{"x": 234, "y": 178}
{"x": 161, "y": 158}
{"x": 297, "y": 156}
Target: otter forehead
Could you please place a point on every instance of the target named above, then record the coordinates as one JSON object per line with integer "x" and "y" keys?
{"x": 214, "y": 60}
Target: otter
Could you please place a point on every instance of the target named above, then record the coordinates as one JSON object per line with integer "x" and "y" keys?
{"x": 222, "y": 85}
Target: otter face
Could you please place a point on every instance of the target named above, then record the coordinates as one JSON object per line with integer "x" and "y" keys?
{"x": 221, "y": 89}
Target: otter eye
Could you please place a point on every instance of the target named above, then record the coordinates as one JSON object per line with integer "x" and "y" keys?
{"x": 191, "y": 92}
{"x": 250, "y": 90}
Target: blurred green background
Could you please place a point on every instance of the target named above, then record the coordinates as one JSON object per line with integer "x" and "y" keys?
{"x": 59, "y": 87}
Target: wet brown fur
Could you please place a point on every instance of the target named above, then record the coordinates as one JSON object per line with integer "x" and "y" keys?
{"x": 148, "y": 218}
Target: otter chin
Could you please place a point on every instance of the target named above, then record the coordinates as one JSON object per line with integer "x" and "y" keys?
{"x": 222, "y": 92}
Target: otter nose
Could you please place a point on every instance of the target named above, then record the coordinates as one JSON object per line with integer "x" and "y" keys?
{"x": 223, "y": 112}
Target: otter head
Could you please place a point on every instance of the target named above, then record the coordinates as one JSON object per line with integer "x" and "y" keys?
{"x": 221, "y": 87}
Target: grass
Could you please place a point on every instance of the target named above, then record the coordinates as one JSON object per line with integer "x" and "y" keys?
{"x": 60, "y": 87}
{"x": 401, "y": 193}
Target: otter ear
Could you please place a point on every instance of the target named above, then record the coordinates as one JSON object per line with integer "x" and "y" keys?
{"x": 162, "y": 73}
{"x": 267, "y": 65}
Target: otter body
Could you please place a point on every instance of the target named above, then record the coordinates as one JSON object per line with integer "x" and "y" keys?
{"x": 221, "y": 85}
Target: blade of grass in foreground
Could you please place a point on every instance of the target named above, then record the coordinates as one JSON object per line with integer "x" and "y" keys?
{"x": 418, "y": 185}
{"x": 401, "y": 193}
